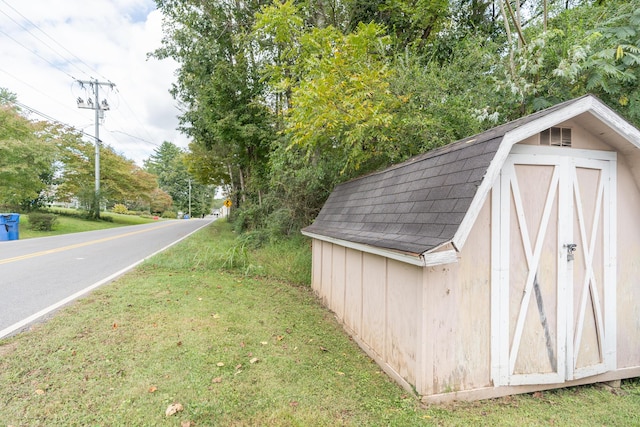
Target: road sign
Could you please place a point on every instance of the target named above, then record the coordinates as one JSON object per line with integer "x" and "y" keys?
{"x": 227, "y": 203}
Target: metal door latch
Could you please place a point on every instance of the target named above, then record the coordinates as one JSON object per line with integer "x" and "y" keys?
{"x": 571, "y": 248}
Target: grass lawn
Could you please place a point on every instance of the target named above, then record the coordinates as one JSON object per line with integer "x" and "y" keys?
{"x": 69, "y": 224}
{"x": 217, "y": 328}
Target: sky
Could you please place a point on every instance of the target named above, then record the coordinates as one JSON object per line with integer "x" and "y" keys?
{"x": 47, "y": 46}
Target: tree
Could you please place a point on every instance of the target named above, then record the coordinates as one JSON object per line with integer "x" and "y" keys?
{"x": 220, "y": 87}
{"x": 161, "y": 201}
{"x": 28, "y": 157}
{"x": 168, "y": 164}
{"x": 121, "y": 180}
{"x": 283, "y": 100}
{"x": 597, "y": 51}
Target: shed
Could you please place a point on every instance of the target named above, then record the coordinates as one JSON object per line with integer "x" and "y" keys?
{"x": 507, "y": 262}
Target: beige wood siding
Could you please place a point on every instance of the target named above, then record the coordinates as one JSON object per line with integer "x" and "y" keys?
{"x": 403, "y": 315}
{"x": 377, "y": 300}
{"x": 457, "y": 330}
{"x": 628, "y": 275}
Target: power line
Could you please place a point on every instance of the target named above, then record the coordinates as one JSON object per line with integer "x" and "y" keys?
{"x": 133, "y": 136}
{"x": 38, "y": 55}
{"x": 49, "y": 118}
{"x": 134, "y": 115}
{"x": 38, "y": 90}
{"x": 53, "y": 40}
{"x": 40, "y": 40}
{"x": 129, "y": 115}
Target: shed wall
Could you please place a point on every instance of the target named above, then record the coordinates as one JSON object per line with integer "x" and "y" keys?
{"x": 457, "y": 335}
{"x": 628, "y": 271}
{"x": 377, "y": 300}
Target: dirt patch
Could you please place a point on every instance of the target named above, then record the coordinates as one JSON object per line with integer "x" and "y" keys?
{"x": 8, "y": 348}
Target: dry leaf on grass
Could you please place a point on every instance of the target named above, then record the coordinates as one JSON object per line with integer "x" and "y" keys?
{"x": 217, "y": 380}
{"x": 254, "y": 360}
{"x": 40, "y": 391}
{"x": 174, "y": 408}
{"x": 153, "y": 389}
{"x": 185, "y": 424}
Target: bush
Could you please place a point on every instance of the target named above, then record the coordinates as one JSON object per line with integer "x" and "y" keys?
{"x": 120, "y": 209}
{"x": 40, "y": 221}
{"x": 169, "y": 214}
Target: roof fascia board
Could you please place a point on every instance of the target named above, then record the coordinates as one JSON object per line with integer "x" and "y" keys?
{"x": 509, "y": 139}
{"x": 423, "y": 260}
{"x": 387, "y": 253}
{"x": 616, "y": 122}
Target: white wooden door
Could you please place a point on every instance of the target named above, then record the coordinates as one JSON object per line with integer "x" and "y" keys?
{"x": 554, "y": 266}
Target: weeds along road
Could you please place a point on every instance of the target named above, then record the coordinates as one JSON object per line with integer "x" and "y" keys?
{"x": 37, "y": 276}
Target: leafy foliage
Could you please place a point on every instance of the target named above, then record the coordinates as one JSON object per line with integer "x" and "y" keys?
{"x": 286, "y": 99}
{"x": 41, "y": 221}
{"x": 27, "y": 161}
{"x": 177, "y": 187}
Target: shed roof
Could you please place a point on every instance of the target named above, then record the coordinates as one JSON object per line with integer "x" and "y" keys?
{"x": 421, "y": 204}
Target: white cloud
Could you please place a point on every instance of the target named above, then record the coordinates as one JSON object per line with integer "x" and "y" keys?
{"x": 104, "y": 39}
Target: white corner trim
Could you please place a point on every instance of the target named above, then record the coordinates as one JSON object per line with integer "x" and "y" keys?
{"x": 439, "y": 258}
{"x": 422, "y": 260}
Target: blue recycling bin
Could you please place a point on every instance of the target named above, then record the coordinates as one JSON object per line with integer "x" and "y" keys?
{"x": 4, "y": 229}
{"x": 9, "y": 226}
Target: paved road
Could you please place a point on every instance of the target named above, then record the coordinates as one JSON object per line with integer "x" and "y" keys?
{"x": 37, "y": 276}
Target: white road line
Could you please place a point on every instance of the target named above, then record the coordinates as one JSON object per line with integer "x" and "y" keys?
{"x": 21, "y": 324}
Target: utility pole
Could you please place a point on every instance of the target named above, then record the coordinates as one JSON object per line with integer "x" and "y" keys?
{"x": 189, "y": 198}
{"x": 99, "y": 108}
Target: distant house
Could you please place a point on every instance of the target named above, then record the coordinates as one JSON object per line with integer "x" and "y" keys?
{"x": 504, "y": 263}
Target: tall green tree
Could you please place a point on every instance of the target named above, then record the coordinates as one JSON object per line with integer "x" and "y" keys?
{"x": 220, "y": 87}
{"x": 28, "y": 155}
{"x": 168, "y": 164}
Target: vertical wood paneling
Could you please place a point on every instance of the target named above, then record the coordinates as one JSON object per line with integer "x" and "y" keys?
{"x": 373, "y": 309}
{"x": 338, "y": 277}
{"x": 327, "y": 266}
{"x": 403, "y": 305}
{"x": 353, "y": 291}
{"x": 316, "y": 265}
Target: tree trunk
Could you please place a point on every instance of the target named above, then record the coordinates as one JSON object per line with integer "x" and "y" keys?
{"x": 243, "y": 197}
{"x": 507, "y": 29}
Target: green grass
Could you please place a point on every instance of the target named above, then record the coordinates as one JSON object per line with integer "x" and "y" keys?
{"x": 185, "y": 328}
{"x": 69, "y": 224}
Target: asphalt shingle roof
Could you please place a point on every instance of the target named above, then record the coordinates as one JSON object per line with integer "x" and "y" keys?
{"x": 417, "y": 205}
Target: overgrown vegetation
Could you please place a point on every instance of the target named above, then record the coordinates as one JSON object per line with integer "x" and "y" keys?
{"x": 285, "y": 99}
{"x": 215, "y": 326}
